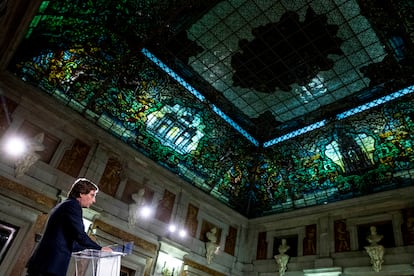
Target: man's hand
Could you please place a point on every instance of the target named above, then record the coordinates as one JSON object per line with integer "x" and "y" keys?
{"x": 106, "y": 249}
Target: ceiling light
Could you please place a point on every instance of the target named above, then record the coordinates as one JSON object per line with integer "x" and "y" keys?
{"x": 146, "y": 212}
{"x": 15, "y": 146}
{"x": 182, "y": 233}
{"x": 172, "y": 228}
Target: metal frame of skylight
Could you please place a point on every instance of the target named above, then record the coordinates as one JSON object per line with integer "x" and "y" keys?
{"x": 198, "y": 95}
{"x": 338, "y": 117}
{"x": 343, "y": 115}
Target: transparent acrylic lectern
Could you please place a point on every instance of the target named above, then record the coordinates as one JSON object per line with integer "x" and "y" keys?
{"x": 90, "y": 262}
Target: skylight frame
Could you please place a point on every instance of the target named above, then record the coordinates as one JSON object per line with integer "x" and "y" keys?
{"x": 290, "y": 135}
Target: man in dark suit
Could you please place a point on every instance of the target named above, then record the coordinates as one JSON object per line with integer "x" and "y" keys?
{"x": 65, "y": 232}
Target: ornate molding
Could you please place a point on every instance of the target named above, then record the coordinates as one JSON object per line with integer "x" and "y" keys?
{"x": 19, "y": 189}
{"x": 202, "y": 268}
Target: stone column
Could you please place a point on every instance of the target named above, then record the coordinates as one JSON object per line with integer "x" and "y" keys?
{"x": 397, "y": 221}
{"x": 353, "y": 233}
{"x": 324, "y": 238}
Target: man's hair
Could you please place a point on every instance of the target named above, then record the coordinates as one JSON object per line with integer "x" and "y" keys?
{"x": 82, "y": 186}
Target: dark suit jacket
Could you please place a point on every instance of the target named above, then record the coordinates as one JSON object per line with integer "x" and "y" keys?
{"x": 64, "y": 233}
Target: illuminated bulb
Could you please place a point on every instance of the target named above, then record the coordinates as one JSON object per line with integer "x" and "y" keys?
{"x": 15, "y": 146}
{"x": 146, "y": 212}
{"x": 183, "y": 233}
{"x": 172, "y": 228}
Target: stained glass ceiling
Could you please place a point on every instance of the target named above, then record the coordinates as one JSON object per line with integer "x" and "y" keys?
{"x": 285, "y": 64}
{"x": 208, "y": 88}
{"x": 286, "y": 57}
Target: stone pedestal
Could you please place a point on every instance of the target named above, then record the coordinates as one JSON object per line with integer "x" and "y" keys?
{"x": 282, "y": 260}
{"x": 376, "y": 253}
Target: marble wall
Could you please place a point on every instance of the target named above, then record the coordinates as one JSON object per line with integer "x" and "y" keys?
{"x": 80, "y": 149}
{"x": 324, "y": 240}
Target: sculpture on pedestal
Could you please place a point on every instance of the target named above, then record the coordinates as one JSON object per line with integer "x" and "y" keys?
{"x": 211, "y": 245}
{"x": 282, "y": 259}
{"x": 31, "y": 156}
{"x": 134, "y": 208}
{"x": 375, "y": 250}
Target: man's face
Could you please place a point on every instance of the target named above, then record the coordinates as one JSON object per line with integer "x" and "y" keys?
{"x": 86, "y": 200}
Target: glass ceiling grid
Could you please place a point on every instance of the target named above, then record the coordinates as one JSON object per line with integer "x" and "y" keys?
{"x": 241, "y": 17}
{"x": 235, "y": 21}
{"x": 250, "y": 14}
{"x": 312, "y": 98}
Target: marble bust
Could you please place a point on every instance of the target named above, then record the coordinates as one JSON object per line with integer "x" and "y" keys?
{"x": 374, "y": 238}
{"x": 134, "y": 208}
{"x": 211, "y": 244}
{"x": 282, "y": 259}
{"x": 374, "y": 250}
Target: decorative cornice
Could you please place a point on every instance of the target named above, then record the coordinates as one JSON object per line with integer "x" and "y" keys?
{"x": 26, "y": 192}
{"x": 202, "y": 268}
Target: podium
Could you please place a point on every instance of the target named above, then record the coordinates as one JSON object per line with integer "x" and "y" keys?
{"x": 91, "y": 262}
